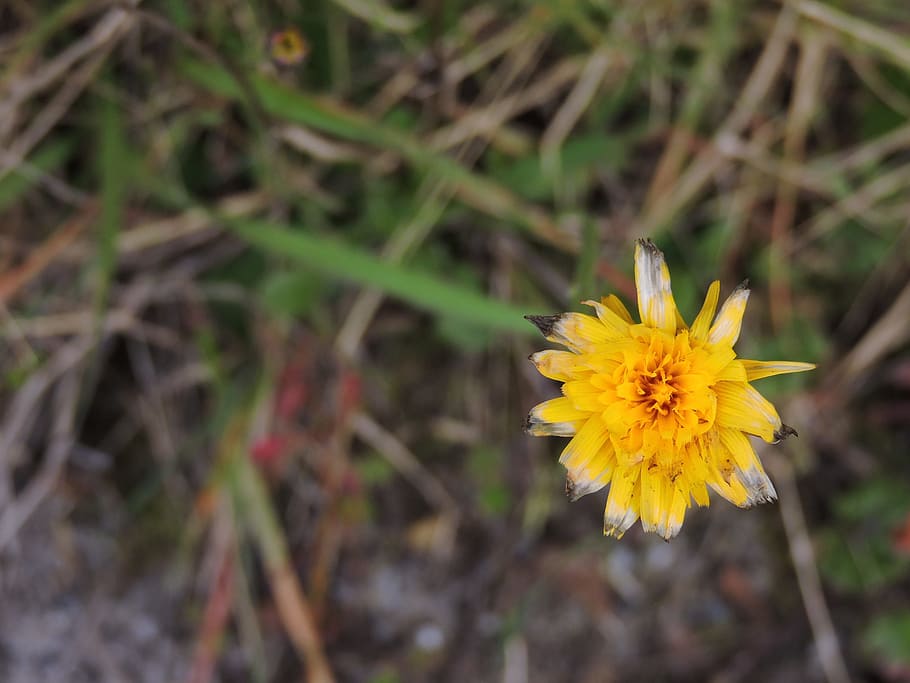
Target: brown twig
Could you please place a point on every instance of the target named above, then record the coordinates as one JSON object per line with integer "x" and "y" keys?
{"x": 890, "y": 331}
{"x": 403, "y": 460}
{"x": 41, "y": 257}
{"x": 218, "y": 605}
{"x": 293, "y": 607}
{"x": 111, "y": 26}
{"x": 58, "y": 449}
{"x": 711, "y": 160}
{"x": 804, "y": 562}
{"x": 806, "y": 92}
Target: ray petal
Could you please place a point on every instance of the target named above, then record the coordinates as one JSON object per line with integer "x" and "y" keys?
{"x": 733, "y": 372}
{"x": 553, "y": 428}
{"x": 585, "y": 445}
{"x": 584, "y": 395}
{"x": 726, "y": 328}
{"x": 558, "y": 365}
{"x": 593, "y": 475}
{"x": 653, "y": 497}
{"x": 758, "y": 486}
{"x": 610, "y": 319}
{"x": 674, "y": 514}
{"x": 576, "y": 331}
{"x": 702, "y": 322}
{"x": 759, "y": 369}
{"x": 652, "y": 281}
{"x": 558, "y": 416}
{"x": 621, "y": 510}
{"x": 740, "y": 406}
{"x": 748, "y": 468}
{"x": 614, "y": 303}
{"x": 723, "y": 480}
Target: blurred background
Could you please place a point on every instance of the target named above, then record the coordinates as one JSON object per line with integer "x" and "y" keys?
{"x": 263, "y": 268}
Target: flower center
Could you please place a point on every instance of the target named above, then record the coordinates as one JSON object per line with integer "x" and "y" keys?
{"x": 659, "y": 394}
{"x": 660, "y": 391}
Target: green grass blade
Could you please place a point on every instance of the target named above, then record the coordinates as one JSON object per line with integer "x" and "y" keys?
{"x": 380, "y": 15}
{"x": 586, "y": 267}
{"x": 338, "y": 259}
{"x": 331, "y": 117}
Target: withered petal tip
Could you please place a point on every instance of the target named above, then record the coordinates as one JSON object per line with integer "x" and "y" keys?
{"x": 784, "y": 432}
{"x": 647, "y": 243}
{"x": 544, "y": 323}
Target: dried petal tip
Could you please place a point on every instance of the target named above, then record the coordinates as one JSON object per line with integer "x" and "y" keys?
{"x": 646, "y": 243}
{"x": 579, "y": 486}
{"x": 783, "y": 433}
{"x": 544, "y": 323}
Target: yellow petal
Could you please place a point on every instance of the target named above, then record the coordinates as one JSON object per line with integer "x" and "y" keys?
{"x": 553, "y": 428}
{"x": 733, "y": 372}
{"x": 557, "y": 417}
{"x": 738, "y": 447}
{"x": 579, "y": 483}
{"x": 585, "y": 445}
{"x": 748, "y": 468}
{"x": 584, "y": 395}
{"x": 674, "y": 514}
{"x": 740, "y": 406}
{"x": 722, "y": 477}
{"x": 702, "y": 322}
{"x": 653, "y": 495}
{"x": 730, "y": 488}
{"x": 718, "y": 358}
{"x": 614, "y": 303}
{"x": 609, "y": 318}
{"x": 680, "y": 321}
{"x": 759, "y": 488}
{"x": 577, "y": 331}
{"x": 652, "y": 281}
{"x": 759, "y": 369}
{"x": 558, "y": 365}
{"x": 622, "y": 502}
{"x": 726, "y": 327}
{"x": 699, "y": 494}
{"x": 593, "y": 475}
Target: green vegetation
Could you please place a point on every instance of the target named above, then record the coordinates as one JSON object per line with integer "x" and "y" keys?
{"x": 264, "y": 357}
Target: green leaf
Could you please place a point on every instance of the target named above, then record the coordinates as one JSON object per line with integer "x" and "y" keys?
{"x": 857, "y": 551}
{"x": 380, "y": 15}
{"x": 888, "y": 637}
{"x": 484, "y": 465}
{"x": 860, "y": 563}
{"x": 586, "y": 266}
{"x": 374, "y": 470}
{"x": 467, "y": 337}
{"x": 341, "y": 260}
{"x": 291, "y": 293}
{"x": 582, "y": 154}
{"x": 881, "y": 499}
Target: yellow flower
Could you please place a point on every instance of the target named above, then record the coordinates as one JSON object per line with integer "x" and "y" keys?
{"x": 657, "y": 410}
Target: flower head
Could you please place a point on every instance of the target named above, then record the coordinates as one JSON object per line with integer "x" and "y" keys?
{"x": 288, "y": 47}
{"x": 658, "y": 410}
